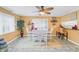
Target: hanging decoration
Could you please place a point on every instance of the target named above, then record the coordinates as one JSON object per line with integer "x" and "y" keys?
{"x": 54, "y": 21}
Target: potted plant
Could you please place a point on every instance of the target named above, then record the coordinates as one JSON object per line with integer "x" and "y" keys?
{"x": 20, "y": 26}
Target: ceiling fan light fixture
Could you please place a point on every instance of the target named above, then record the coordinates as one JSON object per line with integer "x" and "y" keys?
{"x": 42, "y": 13}
{"x": 44, "y": 10}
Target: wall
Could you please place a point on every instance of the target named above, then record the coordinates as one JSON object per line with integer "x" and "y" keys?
{"x": 54, "y": 27}
{"x": 10, "y": 36}
{"x": 72, "y": 34}
{"x": 26, "y": 26}
{"x": 51, "y": 27}
{"x": 69, "y": 16}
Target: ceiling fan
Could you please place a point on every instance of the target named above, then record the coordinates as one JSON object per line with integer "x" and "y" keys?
{"x": 44, "y": 9}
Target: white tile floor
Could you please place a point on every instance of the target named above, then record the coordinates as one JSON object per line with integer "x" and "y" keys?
{"x": 25, "y": 45}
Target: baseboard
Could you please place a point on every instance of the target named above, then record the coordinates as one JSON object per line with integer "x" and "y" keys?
{"x": 73, "y": 42}
{"x": 12, "y": 40}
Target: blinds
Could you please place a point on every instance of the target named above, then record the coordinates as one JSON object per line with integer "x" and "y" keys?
{"x": 40, "y": 24}
{"x": 7, "y": 23}
{"x": 1, "y": 25}
{"x": 69, "y": 24}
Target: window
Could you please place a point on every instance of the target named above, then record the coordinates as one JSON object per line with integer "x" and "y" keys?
{"x": 69, "y": 24}
{"x": 40, "y": 24}
{"x": 1, "y": 25}
{"x": 7, "y": 23}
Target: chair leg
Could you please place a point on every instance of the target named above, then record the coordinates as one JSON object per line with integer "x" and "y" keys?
{"x": 62, "y": 36}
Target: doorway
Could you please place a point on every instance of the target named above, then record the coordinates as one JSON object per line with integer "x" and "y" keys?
{"x": 39, "y": 33}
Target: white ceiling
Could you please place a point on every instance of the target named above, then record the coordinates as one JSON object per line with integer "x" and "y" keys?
{"x": 32, "y": 10}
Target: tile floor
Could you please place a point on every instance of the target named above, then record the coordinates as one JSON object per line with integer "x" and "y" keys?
{"x": 25, "y": 45}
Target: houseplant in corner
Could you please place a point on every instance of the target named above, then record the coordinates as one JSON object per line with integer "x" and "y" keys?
{"x": 20, "y": 26}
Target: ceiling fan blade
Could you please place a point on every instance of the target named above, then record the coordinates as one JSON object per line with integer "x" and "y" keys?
{"x": 50, "y": 8}
{"x": 48, "y": 13}
{"x": 38, "y": 7}
{"x": 41, "y": 8}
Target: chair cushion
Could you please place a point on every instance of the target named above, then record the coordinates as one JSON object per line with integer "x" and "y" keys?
{"x": 2, "y": 43}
